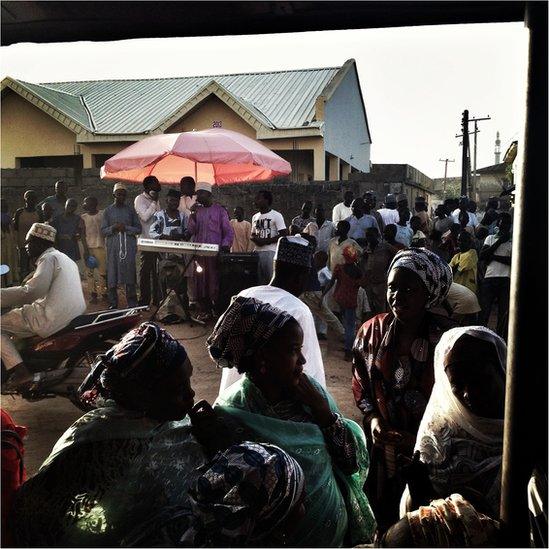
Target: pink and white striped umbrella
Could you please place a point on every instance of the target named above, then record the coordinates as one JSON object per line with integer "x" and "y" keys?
{"x": 215, "y": 156}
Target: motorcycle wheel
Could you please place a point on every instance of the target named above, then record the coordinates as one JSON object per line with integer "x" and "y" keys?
{"x": 87, "y": 360}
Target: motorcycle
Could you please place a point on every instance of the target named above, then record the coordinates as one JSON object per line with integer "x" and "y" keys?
{"x": 61, "y": 361}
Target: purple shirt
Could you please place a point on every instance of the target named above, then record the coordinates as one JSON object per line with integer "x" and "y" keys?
{"x": 211, "y": 226}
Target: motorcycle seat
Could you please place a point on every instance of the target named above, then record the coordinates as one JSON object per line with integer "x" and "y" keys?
{"x": 88, "y": 318}
{"x": 81, "y": 320}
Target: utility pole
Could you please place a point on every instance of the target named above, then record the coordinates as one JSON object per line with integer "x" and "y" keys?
{"x": 467, "y": 162}
{"x": 465, "y": 165}
{"x": 474, "y": 185}
{"x": 446, "y": 160}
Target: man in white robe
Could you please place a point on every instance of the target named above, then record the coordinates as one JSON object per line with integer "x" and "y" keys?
{"x": 46, "y": 302}
{"x": 293, "y": 261}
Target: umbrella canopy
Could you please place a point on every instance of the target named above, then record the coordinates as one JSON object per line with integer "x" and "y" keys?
{"x": 215, "y": 156}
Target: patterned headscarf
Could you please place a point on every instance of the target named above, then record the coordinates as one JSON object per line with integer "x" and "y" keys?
{"x": 350, "y": 254}
{"x": 145, "y": 355}
{"x": 434, "y": 272}
{"x": 246, "y": 326}
{"x": 242, "y": 495}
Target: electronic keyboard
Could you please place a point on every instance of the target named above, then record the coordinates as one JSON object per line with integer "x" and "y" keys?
{"x": 177, "y": 247}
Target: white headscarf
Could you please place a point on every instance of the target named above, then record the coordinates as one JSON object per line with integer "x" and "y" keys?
{"x": 461, "y": 449}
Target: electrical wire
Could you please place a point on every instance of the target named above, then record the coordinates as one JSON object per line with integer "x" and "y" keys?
{"x": 193, "y": 337}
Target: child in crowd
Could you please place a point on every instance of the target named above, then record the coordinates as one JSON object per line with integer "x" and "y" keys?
{"x": 437, "y": 245}
{"x": 449, "y": 240}
{"x": 70, "y": 228}
{"x": 389, "y": 235}
{"x": 463, "y": 218}
{"x": 317, "y": 301}
{"x": 96, "y": 275}
{"x": 443, "y": 221}
{"x": 47, "y": 212}
{"x": 419, "y": 240}
{"x": 404, "y": 232}
{"x": 347, "y": 279}
{"x": 23, "y": 220}
{"x": 464, "y": 263}
{"x": 242, "y": 232}
{"x": 337, "y": 244}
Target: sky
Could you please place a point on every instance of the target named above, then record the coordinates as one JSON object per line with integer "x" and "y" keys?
{"x": 416, "y": 81}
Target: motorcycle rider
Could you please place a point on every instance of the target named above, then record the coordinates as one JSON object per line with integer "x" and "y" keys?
{"x": 48, "y": 300}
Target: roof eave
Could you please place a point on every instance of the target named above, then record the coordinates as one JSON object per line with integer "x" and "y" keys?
{"x": 281, "y": 133}
{"x": 89, "y": 137}
{"x": 266, "y": 133}
{"x": 213, "y": 88}
{"x": 45, "y": 106}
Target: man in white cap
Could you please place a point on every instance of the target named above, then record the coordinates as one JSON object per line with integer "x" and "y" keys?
{"x": 120, "y": 226}
{"x": 292, "y": 264}
{"x": 45, "y": 303}
{"x": 209, "y": 224}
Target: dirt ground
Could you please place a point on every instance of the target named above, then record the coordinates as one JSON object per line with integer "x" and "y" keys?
{"x": 46, "y": 420}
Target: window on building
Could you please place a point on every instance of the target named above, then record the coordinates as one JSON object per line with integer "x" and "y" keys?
{"x": 69, "y": 161}
{"x": 100, "y": 159}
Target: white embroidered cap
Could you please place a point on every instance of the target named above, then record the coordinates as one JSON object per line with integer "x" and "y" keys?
{"x": 43, "y": 231}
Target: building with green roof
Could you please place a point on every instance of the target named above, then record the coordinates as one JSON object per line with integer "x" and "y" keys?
{"x": 314, "y": 118}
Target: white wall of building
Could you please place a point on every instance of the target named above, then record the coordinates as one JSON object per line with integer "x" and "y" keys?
{"x": 345, "y": 130}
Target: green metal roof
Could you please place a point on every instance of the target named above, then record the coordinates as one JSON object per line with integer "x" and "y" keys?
{"x": 71, "y": 105}
{"x": 284, "y": 99}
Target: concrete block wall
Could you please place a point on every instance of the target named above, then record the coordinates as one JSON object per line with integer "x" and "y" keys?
{"x": 288, "y": 197}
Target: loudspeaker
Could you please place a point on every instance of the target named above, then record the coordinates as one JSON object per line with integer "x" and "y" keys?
{"x": 237, "y": 272}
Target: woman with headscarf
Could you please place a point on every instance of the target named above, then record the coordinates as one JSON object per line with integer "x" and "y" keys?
{"x": 460, "y": 438}
{"x": 285, "y": 407}
{"x": 119, "y": 463}
{"x": 250, "y": 495}
{"x": 393, "y": 370}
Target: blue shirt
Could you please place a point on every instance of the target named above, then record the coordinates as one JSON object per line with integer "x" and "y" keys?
{"x": 324, "y": 276}
{"x": 163, "y": 225}
{"x": 404, "y": 235}
{"x": 359, "y": 226}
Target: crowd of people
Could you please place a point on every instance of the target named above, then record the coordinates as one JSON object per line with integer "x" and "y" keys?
{"x": 360, "y": 238}
{"x": 274, "y": 462}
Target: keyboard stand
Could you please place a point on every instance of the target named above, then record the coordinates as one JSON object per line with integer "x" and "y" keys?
{"x": 190, "y": 319}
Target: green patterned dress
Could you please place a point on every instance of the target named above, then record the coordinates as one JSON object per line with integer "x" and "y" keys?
{"x": 337, "y": 509}
{"x": 111, "y": 470}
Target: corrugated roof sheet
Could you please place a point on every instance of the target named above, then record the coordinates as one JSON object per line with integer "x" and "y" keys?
{"x": 284, "y": 99}
{"x": 69, "y": 104}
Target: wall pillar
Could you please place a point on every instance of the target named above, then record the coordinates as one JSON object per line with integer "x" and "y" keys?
{"x": 334, "y": 168}
{"x": 319, "y": 163}
{"x": 345, "y": 170}
{"x": 87, "y": 158}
